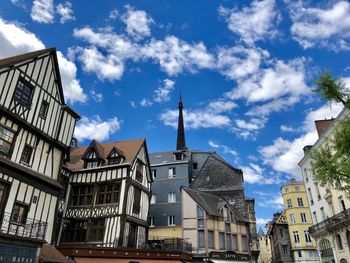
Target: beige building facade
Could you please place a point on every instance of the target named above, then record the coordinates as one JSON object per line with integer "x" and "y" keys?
{"x": 330, "y": 208}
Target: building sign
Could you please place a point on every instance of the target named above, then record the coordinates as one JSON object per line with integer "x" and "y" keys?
{"x": 230, "y": 255}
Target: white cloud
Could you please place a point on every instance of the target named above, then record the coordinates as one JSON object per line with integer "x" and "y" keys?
{"x": 137, "y": 23}
{"x": 65, "y": 11}
{"x": 254, "y": 174}
{"x": 328, "y": 28}
{"x": 162, "y": 94}
{"x": 133, "y": 104}
{"x": 284, "y": 155}
{"x": 286, "y": 128}
{"x": 283, "y": 79}
{"x": 248, "y": 129}
{"x": 43, "y": 11}
{"x": 96, "y": 128}
{"x": 221, "y": 105}
{"x": 196, "y": 119}
{"x": 114, "y": 14}
{"x": 16, "y": 40}
{"x": 213, "y": 144}
{"x": 239, "y": 62}
{"x": 262, "y": 221}
{"x": 145, "y": 103}
{"x": 273, "y": 200}
{"x": 19, "y": 3}
{"x": 254, "y": 22}
{"x": 96, "y": 96}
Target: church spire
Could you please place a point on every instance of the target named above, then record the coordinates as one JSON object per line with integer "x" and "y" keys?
{"x": 181, "y": 143}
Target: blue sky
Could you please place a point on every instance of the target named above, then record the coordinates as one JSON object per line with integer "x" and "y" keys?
{"x": 245, "y": 70}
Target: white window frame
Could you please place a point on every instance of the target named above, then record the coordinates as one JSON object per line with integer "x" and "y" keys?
{"x": 296, "y": 237}
{"x": 151, "y": 221}
{"x": 289, "y": 203}
{"x": 154, "y": 199}
{"x": 171, "y": 220}
{"x": 303, "y": 217}
{"x": 171, "y": 197}
{"x": 292, "y": 218}
{"x": 172, "y": 172}
{"x": 300, "y": 202}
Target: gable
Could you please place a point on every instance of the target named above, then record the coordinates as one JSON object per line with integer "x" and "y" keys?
{"x": 217, "y": 175}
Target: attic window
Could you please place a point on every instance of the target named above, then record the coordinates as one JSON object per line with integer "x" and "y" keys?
{"x": 115, "y": 157}
{"x": 114, "y": 160}
{"x": 92, "y": 161}
{"x": 179, "y": 156}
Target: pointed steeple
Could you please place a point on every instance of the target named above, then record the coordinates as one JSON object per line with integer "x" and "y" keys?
{"x": 181, "y": 142}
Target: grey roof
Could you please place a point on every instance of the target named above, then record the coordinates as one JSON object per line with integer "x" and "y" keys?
{"x": 168, "y": 157}
{"x": 261, "y": 232}
{"x": 212, "y": 203}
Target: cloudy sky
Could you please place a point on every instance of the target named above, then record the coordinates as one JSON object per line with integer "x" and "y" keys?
{"x": 245, "y": 70}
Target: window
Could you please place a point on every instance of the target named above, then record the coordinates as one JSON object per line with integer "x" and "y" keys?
{"x": 222, "y": 241}
{"x": 114, "y": 160}
{"x": 339, "y": 242}
{"x": 137, "y": 200}
{"x": 323, "y": 215}
{"x": 300, "y": 202}
{"x": 153, "y": 199}
{"x": 76, "y": 231}
{"x": 171, "y": 197}
{"x": 96, "y": 230}
{"x": 172, "y": 172}
{"x": 303, "y": 217}
{"x": 286, "y": 190}
{"x": 225, "y": 214}
{"x": 292, "y": 218}
{"x": 201, "y": 239}
{"x": 317, "y": 191}
{"x": 228, "y": 227}
{"x": 19, "y": 213}
{"x": 285, "y": 249}
{"x": 23, "y": 92}
{"x": 81, "y": 195}
{"x": 92, "y": 164}
{"x": 211, "y": 240}
{"x": 289, "y": 203}
{"x": 296, "y": 236}
{"x": 234, "y": 242}
{"x": 315, "y": 217}
{"x": 342, "y": 203}
{"x": 171, "y": 220}
{"x": 139, "y": 171}
{"x": 151, "y": 221}
{"x": 300, "y": 254}
{"x": 307, "y": 236}
{"x": 179, "y": 156}
{"x": 228, "y": 242}
{"x": 306, "y": 175}
{"x": 281, "y": 232}
{"x": 245, "y": 243}
{"x": 200, "y": 212}
{"x": 6, "y": 140}
{"x": 310, "y": 196}
{"x": 43, "y": 109}
{"x": 200, "y": 223}
{"x": 154, "y": 173}
{"x": 297, "y": 189}
{"x": 195, "y": 166}
{"x": 26, "y": 154}
{"x": 108, "y": 193}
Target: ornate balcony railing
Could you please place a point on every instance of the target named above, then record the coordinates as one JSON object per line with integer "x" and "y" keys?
{"x": 332, "y": 223}
{"x": 30, "y": 229}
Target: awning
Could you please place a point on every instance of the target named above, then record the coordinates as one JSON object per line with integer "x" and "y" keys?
{"x": 50, "y": 254}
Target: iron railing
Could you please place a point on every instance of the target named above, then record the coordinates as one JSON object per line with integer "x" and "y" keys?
{"x": 338, "y": 220}
{"x": 139, "y": 242}
{"x": 31, "y": 228}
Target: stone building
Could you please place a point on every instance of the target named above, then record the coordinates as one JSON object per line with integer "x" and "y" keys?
{"x": 265, "y": 254}
{"x": 201, "y": 170}
{"x": 330, "y": 208}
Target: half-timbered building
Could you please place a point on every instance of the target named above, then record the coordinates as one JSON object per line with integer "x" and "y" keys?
{"x": 108, "y": 195}
{"x": 36, "y": 128}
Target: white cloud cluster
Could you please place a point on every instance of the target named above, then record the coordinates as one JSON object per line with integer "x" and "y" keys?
{"x": 162, "y": 94}
{"x": 253, "y": 23}
{"x": 225, "y": 149}
{"x": 328, "y": 28}
{"x": 254, "y": 174}
{"x": 43, "y": 11}
{"x": 96, "y": 96}
{"x": 16, "y": 40}
{"x": 284, "y": 155}
{"x": 286, "y": 128}
{"x": 65, "y": 11}
{"x": 137, "y": 23}
{"x": 274, "y": 200}
{"x": 96, "y": 128}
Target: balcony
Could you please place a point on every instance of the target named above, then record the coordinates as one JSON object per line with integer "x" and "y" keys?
{"x": 331, "y": 224}
{"x": 33, "y": 229}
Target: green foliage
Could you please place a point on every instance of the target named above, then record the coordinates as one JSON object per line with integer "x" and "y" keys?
{"x": 332, "y": 89}
{"x": 331, "y": 164}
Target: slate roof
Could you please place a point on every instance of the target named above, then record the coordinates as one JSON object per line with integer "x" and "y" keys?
{"x": 159, "y": 158}
{"x": 129, "y": 148}
{"x": 211, "y": 203}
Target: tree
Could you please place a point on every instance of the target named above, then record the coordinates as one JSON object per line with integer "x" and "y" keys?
{"x": 331, "y": 164}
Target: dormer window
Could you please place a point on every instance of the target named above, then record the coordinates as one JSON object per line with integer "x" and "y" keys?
{"x": 91, "y": 161}
{"x": 179, "y": 156}
{"x": 115, "y": 157}
{"x": 91, "y": 164}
